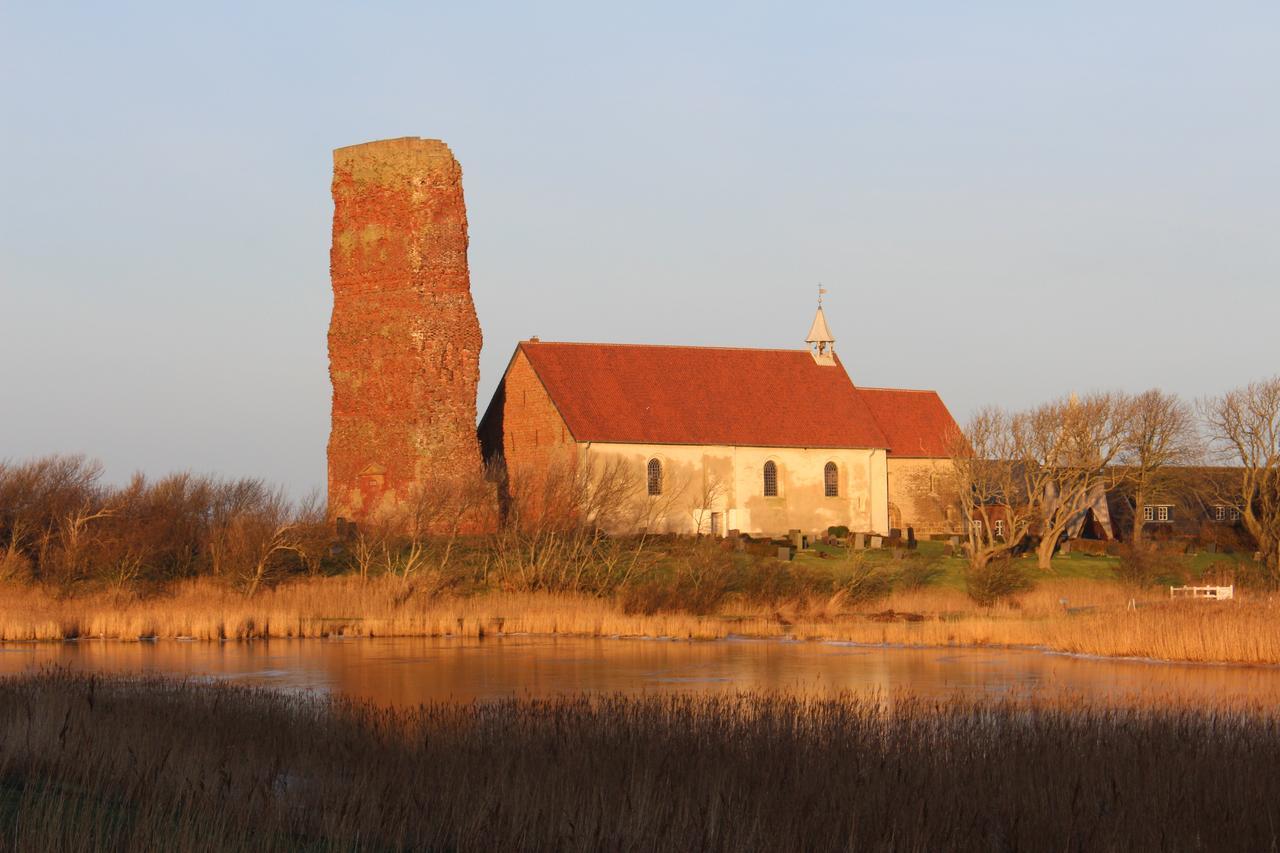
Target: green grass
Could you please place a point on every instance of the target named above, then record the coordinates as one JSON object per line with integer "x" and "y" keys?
{"x": 1075, "y": 566}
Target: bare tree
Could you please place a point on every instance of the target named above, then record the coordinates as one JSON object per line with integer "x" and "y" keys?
{"x": 713, "y": 489}
{"x": 1034, "y": 472}
{"x": 1161, "y": 434}
{"x": 45, "y": 504}
{"x": 252, "y": 528}
{"x": 1243, "y": 426}
{"x": 993, "y": 485}
{"x": 557, "y": 530}
{"x": 74, "y": 539}
{"x": 1071, "y": 445}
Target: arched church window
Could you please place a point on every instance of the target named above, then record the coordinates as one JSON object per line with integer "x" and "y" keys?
{"x": 655, "y": 477}
{"x": 831, "y": 480}
{"x": 770, "y": 479}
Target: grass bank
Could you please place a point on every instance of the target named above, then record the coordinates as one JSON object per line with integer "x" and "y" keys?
{"x": 92, "y": 764}
{"x": 1096, "y": 618}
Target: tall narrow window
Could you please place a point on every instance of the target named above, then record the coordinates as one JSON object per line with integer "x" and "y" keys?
{"x": 770, "y": 479}
{"x": 831, "y": 480}
{"x": 655, "y": 477}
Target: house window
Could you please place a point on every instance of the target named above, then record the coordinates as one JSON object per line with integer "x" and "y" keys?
{"x": 1161, "y": 513}
{"x": 655, "y": 477}
{"x": 998, "y": 526}
{"x": 976, "y": 524}
{"x": 770, "y": 479}
{"x": 1226, "y": 513}
{"x": 831, "y": 480}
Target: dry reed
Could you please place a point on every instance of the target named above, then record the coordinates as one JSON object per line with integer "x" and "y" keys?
{"x": 1096, "y": 619}
{"x": 127, "y": 764}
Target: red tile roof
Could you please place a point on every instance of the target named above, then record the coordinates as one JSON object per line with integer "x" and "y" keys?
{"x": 703, "y": 395}
{"x": 917, "y": 423}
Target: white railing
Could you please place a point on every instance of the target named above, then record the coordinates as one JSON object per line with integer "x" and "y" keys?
{"x": 1214, "y": 593}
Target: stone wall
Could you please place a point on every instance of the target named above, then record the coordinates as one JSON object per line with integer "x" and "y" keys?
{"x": 404, "y": 341}
{"x": 922, "y": 495}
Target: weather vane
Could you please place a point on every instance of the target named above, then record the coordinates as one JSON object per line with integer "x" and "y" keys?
{"x": 821, "y": 291}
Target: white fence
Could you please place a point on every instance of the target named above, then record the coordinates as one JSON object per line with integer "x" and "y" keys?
{"x": 1213, "y": 593}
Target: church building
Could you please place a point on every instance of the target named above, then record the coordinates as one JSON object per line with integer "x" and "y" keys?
{"x": 761, "y": 441}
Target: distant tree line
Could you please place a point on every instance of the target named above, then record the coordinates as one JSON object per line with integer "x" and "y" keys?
{"x": 61, "y": 525}
{"x": 1025, "y": 476}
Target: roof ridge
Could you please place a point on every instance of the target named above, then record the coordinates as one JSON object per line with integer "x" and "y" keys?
{"x": 905, "y": 390}
{"x": 662, "y": 346}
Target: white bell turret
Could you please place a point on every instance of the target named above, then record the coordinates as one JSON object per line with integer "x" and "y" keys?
{"x": 820, "y": 340}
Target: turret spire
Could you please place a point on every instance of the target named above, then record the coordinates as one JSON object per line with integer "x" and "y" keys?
{"x": 821, "y": 343}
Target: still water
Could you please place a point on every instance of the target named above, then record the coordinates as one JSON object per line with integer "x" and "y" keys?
{"x": 408, "y": 671}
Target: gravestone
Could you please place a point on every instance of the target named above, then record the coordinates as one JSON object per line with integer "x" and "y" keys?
{"x": 859, "y": 541}
{"x": 784, "y": 553}
{"x": 876, "y": 541}
{"x": 911, "y": 537}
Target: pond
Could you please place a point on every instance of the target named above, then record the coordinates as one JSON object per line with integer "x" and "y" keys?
{"x": 407, "y": 671}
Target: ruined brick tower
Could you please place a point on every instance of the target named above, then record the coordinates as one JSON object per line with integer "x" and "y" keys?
{"x": 404, "y": 341}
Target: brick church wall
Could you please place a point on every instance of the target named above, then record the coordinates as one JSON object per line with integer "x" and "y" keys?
{"x": 523, "y": 428}
{"x": 404, "y": 340}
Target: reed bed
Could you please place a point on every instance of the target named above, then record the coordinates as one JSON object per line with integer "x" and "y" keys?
{"x": 134, "y": 764}
{"x": 1096, "y": 619}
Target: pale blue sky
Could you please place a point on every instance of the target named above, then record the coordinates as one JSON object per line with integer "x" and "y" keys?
{"x": 1007, "y": 201}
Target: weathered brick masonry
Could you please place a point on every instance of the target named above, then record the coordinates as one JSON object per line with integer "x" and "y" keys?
{"x": 404, "y": 341}
{"x": 522, "y": 425}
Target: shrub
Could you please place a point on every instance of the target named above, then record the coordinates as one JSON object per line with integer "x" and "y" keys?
{"x": 917, "y": 572}
{"x": 866, "y": 583}
{"x": 700, "y": 578}
{"x": 997, "y": 580}
{"x": 769, "y": 582}
{"x": 1240, "y": 573}
{"x": 1139, "y": 567}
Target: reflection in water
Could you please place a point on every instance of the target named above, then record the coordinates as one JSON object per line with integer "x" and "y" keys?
{"x": 408, "y": 671}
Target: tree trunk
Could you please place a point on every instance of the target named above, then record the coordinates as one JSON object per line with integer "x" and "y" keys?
{"x": 1139, "y": 510}
{"x": 1044, "y": 552}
